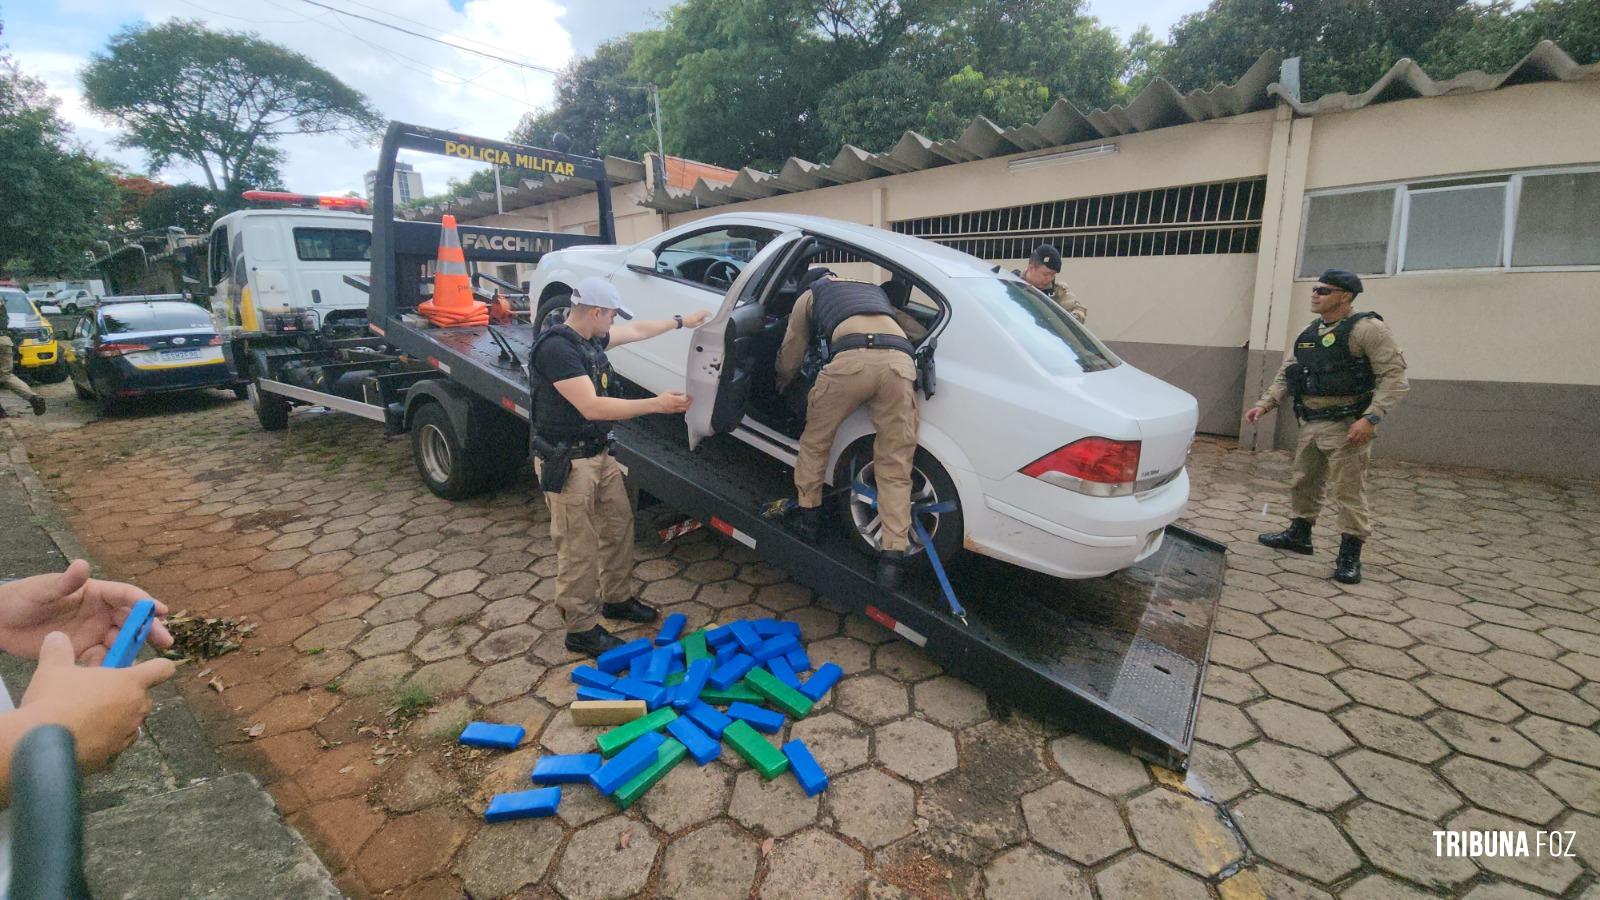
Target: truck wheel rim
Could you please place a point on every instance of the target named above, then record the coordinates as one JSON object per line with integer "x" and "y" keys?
{"x": 435, "y": 454}
{"x": 869, "y": 525}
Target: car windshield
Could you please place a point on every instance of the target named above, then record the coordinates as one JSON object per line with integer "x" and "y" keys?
{"x": 126, "y": 317}
{"x": 16, "y": 303}
{"x": 1053, "y": 338}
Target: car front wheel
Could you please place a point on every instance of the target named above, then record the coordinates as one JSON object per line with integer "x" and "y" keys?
{"x": 931, "y": 487}
{"x": 552, "y": 309}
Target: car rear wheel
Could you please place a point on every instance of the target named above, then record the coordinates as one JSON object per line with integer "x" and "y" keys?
{"x": 82, "y": 392}
{"x": 54, "y": 375}
{"x": 105, "y": 402}
{"x": 446, "y": 467}
{"x": 930, "y": 486}
{"x": 272, "y": 411}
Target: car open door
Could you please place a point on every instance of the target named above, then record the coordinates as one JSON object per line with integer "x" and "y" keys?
{"x": 720, "y": 351}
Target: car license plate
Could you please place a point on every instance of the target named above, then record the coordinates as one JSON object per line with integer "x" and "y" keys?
{"x": 176, "y": 355}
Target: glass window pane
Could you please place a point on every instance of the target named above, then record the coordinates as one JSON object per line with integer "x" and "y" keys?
{"x": 333, "y": 244}
{"x": 1456, "y": 229}
{"x": 1348, "y": 231}
{"x": 1556, "y": 221}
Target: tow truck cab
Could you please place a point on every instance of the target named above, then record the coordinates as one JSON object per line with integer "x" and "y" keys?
{"x": 281, "y": 270}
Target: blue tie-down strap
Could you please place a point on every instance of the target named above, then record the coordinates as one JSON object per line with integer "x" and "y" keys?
{"x": 870, "y": 495}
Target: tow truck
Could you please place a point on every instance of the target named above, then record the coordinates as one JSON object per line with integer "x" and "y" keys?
{"x": 1121, "y": 658}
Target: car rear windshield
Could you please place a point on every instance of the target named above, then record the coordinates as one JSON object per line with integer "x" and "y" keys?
{"x": 1047, "y": 332}
{"x": 122, "y": 318}
{"x": 17, "y": 303}
{"x": 333, "y": 244}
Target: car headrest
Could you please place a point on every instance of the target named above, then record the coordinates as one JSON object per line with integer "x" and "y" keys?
{"x": 899, "y": 292}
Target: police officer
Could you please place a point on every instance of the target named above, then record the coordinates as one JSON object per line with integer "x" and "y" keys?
{"x": 1345, "y": 375}
{"x": 8, "y": 378}
{"x": 575, "y": 400}
{"x": 1043, "y": 267}
{"x": 866, "y": 361}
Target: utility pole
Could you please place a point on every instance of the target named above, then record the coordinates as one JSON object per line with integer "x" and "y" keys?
{"x": 499, "y": 202}
{"x": 661, "y": 144}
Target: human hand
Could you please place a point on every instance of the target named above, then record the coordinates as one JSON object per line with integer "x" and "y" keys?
{"x": 89, "y": 611}
{"x": 672, "y": 402}
{"x": 1254, "y": 413}
{"x": 103, "y": 708}
{"x": 696, "y": 318}
{"x": 1361, "y": 431}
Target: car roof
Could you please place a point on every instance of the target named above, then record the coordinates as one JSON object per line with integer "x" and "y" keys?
{"x": 144, "y": 298}
{"x": 952, "y": 263}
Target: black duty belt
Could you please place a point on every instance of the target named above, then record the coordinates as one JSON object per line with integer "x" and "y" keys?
{"x": 577, "y": 449}
{"x": 872, "y": 342}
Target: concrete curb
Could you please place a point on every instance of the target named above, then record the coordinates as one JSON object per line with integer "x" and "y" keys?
{"x": 43, "y": 505}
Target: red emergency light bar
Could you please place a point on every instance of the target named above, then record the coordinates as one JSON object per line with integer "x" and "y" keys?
{"x": 312, "y": 201}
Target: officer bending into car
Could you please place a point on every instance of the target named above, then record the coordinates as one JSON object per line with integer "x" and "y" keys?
{"x": 575, "y": 400}
{"x": 8, "y": 378}
{"x": 1345, "y": 375}
{"x": 848, "y": 333}
{"x": 1043, "y": 267}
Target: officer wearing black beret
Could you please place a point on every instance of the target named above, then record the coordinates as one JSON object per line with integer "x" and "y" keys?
{"x": 1345, "y": 375}
{"x": 1043, "y": 267}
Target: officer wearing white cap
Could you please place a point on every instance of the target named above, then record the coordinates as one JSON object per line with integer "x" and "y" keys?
{"x": 1345, "y": 375}
{"x": 1043, "y": 267}
{"x": 575, "y": 400}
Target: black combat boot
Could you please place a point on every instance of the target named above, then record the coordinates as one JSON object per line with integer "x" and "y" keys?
{"x": 806, "y": 522}
{"x": 1295, "y": 539}
{"x": 1347, "y": 568}
{"x": 891, "y": 565}
{"x": 593, "y": 642}
{"x": 38, "y": 404}
{"x": 630, "y": 610}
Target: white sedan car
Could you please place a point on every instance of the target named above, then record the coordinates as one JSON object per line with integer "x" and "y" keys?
{"x": 1060, "y": 457}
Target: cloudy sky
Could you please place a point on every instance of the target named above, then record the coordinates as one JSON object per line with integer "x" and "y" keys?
{"x": 406, "y": 77}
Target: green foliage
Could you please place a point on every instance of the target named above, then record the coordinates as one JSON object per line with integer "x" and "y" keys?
{"x": 54, "y": 196}
{"x": 599, "y": 106}
{"x": 219, "y": 100}
{"x": 410, "y": 700}
{"x": 191, "y": 207}
{"x": 1009, "y": 99}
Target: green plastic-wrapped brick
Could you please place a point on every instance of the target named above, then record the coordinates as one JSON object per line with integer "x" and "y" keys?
{"x": 762, "y": 756}
{"x": 670, "y": 754}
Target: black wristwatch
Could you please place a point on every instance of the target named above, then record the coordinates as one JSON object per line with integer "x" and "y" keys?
{"x": 1374, "y": 418}
{"x": 679, "y": 320}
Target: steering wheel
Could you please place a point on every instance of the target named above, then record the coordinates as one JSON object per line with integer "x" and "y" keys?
{"x": 721, "y": 274}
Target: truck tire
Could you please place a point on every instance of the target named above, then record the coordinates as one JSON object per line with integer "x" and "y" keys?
{"x": 272, "y": 411}
{"x": 550, "y": 304}
{"x": 929, "y": 484}
{"x": 446, "y": 467}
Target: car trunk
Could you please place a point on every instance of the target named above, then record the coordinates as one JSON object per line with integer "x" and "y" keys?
{"x": 1165, "y": 416}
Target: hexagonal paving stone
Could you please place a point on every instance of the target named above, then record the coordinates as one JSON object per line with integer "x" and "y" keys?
{"x": 838, "y": 743}
{"x": 1223, "y": 683}
{"x": 596, "y": 864}
{"x": 1383, "y": 692}
{"x": 1486, "y": 740}
{"x": 386, "y": 639}
{"x": 776, "y": 807}
{"x": 1402, "y": 785}
{"x": 1141, "y": 877}
{"x": 1299, "y": 653}
{"x": 1404, "y": 846}
{"x": 1304, "y": 688}
{"x": 813, "y": 864}
{"x": 848, "y": 654}
{"x": 381, "y": 673}
{"x": 916, "y": 750}
{"x": 1296, "y": 774}
{"x": 1381, "y": 660}
{"x": 1551, "y": 703}
{"x": 1290, "y": 836}
{"x": 873, "y": 699}
{"x": 871, "y": 807}
{"x": 443, "y": 643}
{"x": 1223, "y": 724}
{"x": 715, "y": 862}
{"x": 445, "y": 677}
{"x": 1026, "y": 873}
{"x": 1569, "y": 742}
{"x": 1392, "y": 734}
{"x": 330, "y": 635}
{"x": 500, "y": 861}
{"x": 1098, "y": 767}
{"x": 950, "y": 701}
{"x": 1470, "y": 698}
{"x": 905, "y": 661}
{"x": 502, "y": 681}
{"x": 1456, "y": 664}
{"x": 1577, "y": 786}
{"x": 1501, "y": 789}
{"x": 561, "y": 736}
{"x": 1183, "y": 831}
{"x": 687, "y": 796}
{"x": 1082, "y": 826}
{"x": 981, "y": 802}
{"x": 1299, "y": 727}
{"x": 1378, "y": 886}
{"x": 1540, "y": 869}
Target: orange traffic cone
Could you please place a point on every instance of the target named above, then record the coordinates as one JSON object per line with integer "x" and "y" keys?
{"x": 452, "y": 302}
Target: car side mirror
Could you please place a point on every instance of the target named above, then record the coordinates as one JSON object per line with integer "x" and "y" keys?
{"x": 641, "y": 258}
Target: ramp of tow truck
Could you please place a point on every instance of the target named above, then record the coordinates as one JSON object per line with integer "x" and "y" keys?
{"x": 1120, "y": 658}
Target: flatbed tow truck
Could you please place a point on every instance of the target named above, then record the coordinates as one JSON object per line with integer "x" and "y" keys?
{"x": 1121, "y": 658}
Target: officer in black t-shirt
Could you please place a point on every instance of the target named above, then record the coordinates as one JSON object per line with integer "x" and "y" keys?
{"x": 575, "y": 400}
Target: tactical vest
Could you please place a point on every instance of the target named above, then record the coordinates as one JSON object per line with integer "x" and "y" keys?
{"x": 1324, "y": 366}
{"x": 555, "y": 419}
{"x": 834, "y": 301}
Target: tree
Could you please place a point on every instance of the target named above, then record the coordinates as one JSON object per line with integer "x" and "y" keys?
{"x": 191, "y": 207}
{"x": 53, "y": 194}
{"x": 132, "y": 192}
{"x": 1502, "y": 35}
{"x": 219, "y": 100}
{"x": 872, "y": 108}
{"x": 599, "y": 105}
{"x": 1009, "y": 100}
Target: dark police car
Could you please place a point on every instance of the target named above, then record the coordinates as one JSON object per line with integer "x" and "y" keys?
{"x": 132, "y": 346}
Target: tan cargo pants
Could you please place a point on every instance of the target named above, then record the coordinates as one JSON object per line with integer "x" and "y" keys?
{"x": 591, "y": 523}
{"x": 8, "y": 378}
{"x": 885, "y": 382}
{"x": 1324, "y": 459}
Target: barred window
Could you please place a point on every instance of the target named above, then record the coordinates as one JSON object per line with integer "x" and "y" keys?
{"x": 1221, "y": 217}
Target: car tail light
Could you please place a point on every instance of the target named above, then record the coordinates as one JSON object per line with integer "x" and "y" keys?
{"x": 114, "y": 349}
{"x": 216, "y": 341}
{"x": 1098, "y": 466}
